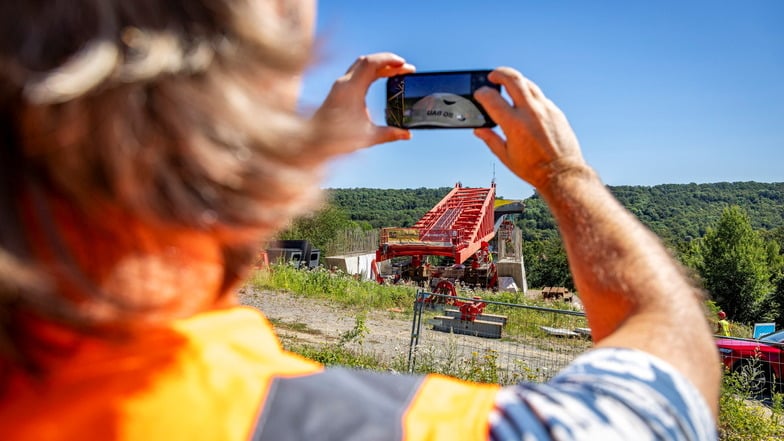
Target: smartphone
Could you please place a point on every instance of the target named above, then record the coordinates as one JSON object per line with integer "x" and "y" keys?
{"x": 437, "y": 100}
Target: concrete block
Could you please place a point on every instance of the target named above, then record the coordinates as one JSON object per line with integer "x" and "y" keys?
{"x": 455, "y": 313}
{"x": 477, "y": 328}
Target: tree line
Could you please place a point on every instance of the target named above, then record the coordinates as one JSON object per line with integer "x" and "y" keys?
{"x": 730, "y": 235}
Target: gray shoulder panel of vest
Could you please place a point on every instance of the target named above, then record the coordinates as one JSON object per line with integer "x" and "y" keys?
{"x": 336, "y": 404}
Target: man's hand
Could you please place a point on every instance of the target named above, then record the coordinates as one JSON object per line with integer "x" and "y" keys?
{"x": 539, "y": 142}
{"x": 344, "y": 116}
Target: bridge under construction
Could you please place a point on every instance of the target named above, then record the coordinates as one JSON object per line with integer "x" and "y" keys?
{"x": 468, "y": 226}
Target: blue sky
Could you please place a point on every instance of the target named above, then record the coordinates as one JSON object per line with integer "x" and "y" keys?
{"x": 657, "y": 92}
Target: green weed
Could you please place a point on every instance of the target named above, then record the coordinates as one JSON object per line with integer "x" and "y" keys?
{"x": 741, "y": 417}
{"x": 296, "y": 327}
{"x": 335, "y": 286}
{"x": 356, "y": 334}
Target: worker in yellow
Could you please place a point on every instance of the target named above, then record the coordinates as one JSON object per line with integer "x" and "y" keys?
{"x": 722, "y": 325}
{"x": 149, "y": 146}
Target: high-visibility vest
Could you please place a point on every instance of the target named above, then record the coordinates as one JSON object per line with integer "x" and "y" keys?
{"x": 725, "y": 327}
{"x": 223, "y": 376}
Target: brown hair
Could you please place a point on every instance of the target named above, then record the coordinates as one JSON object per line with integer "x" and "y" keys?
{"x": 163, "y": 109}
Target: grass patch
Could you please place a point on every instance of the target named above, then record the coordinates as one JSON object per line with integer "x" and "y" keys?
{"x": 337, "y": 287}
{"x": 335, "y": 355}
{"x": 742, "y": 417}
{"x": 280, "y": 325}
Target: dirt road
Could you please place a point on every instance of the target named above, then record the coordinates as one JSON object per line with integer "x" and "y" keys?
{"x": 300, "y": 319}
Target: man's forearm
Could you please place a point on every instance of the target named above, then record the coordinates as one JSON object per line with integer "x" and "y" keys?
{"x": 635, "y": 294}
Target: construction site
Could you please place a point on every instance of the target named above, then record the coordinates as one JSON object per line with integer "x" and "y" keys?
{"x": 467, "y": 240}
{"x": 465, "y": 245}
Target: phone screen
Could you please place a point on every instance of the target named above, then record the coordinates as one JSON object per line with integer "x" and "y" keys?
{"x": 437, "y": 100}
{"x": 421, "y": 86}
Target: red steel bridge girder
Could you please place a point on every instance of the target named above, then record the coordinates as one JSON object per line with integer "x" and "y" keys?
{"x": 455, "y": 227}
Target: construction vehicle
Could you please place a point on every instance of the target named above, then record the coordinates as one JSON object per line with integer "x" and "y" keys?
{"x": 459, "y": 229}
{"x": 298, "y": 253}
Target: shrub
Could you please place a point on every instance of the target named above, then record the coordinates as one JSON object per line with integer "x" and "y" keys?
{"x": 741, "y": 416}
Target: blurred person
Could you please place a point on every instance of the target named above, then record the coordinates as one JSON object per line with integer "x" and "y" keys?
{"x": 149, "y": 147}
{"x": 722, "y": 325}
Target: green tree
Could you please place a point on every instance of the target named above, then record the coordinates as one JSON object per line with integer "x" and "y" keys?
{"x": 546, "y": 263}
{"x": 776, "y": 235}
{"x": 775, "y": 247}
{"x": 777, "y": 303}
{"x": 320, "y": 228}
{"x": 732, "y": 260}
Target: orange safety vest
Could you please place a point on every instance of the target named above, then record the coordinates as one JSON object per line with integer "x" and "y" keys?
{"x": 222, "y": 375}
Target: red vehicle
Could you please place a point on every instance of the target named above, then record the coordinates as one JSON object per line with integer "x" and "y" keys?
{"x": 762, "y": 360}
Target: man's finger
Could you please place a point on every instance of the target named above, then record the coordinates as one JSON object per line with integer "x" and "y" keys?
{"x": 368, "y": 68}
{"x": 496, "y": 106}
{"x": 536, "y": 92}
{"x": 496, "y": 144}
{"x": 388, "y": 134}
{"x": 389, "y": 71}
{"x": 515, "y": 83}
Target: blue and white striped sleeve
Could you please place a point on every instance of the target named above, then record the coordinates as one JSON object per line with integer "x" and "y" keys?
{"x": 606, "y": 394}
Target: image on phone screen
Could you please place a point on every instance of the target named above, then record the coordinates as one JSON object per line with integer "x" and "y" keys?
{"x": 436, "y": 100}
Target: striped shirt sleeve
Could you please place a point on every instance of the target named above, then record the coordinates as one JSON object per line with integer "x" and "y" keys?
{"x": 606, "y": 394}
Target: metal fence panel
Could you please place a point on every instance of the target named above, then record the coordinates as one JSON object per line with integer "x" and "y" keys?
{"x": 506, "y": 344}
{"x": 757, "y": 365}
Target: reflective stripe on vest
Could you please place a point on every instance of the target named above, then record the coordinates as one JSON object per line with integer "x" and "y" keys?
{"x": 344, "y": 404}
{"x": 337, "y": 404}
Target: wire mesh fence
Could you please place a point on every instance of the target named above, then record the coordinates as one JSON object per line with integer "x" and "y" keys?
{"x": 491, "y": 341}
{"x": 759, "y": 363}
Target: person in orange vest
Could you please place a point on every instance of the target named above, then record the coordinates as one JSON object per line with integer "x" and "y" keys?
{"x": 149, "y": 146}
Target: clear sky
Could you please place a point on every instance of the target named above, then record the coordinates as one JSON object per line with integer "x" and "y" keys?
{"x": 658, "y": 92}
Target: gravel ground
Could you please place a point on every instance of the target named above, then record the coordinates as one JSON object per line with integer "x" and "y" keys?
{"x": 299, "y": 319}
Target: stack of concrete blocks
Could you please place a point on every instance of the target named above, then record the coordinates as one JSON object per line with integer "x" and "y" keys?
{"x": 485, "y": 325}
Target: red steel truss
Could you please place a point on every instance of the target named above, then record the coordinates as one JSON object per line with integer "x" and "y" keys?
{"x": 455, "y": 227}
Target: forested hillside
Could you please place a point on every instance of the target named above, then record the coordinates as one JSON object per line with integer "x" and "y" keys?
{"x": 676, "y": 212}
{"x": 681, "y": 212}
{"x": 387, "y": 208}
{"x": 731, "y": 235}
